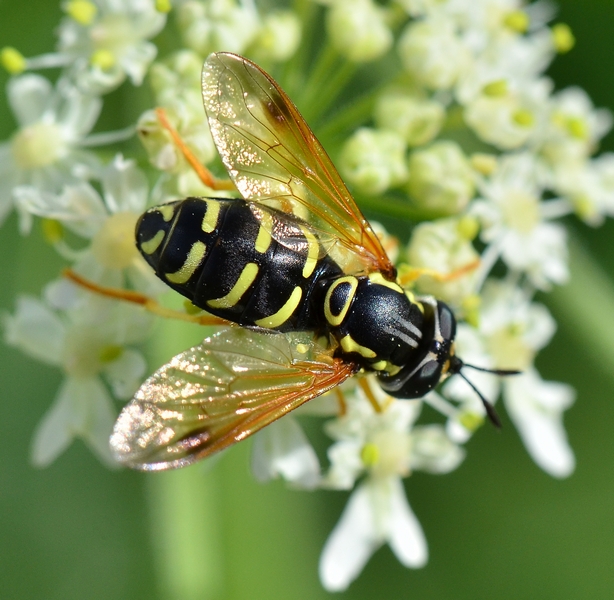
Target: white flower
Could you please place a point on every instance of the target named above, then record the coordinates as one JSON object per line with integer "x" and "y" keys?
{"x": 506, "y": 117}
{"x": 45, "y": 152}
{"x": 573, "y": 127}
{"x": 377, "y": 512}
{"x": 514, "y": 222}
{"x": 514, "y": 328}
{"x": 86, "y": 339}
{"x": 108, "y": 220}
{"x": 213, "y": 25}
{"x": 106, "y": 41}
{"x": 385, "y": 447}
{"x": 587, "y": 187}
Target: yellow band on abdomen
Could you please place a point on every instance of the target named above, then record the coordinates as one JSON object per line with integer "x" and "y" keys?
{"x": 192, "y": 262}
{"x": 284, "y": 313}
{"x": 247, "y": 277}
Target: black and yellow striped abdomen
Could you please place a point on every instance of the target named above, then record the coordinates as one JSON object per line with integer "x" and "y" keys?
{"x": 256, "y": 270}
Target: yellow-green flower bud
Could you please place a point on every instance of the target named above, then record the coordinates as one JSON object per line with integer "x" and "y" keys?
{"x": 439, "y": 247}
{"x": 357, "y": 29}
{"x": 12, "y": 60}
{"x": 433, "y": 54}
{"x": 279, "y": 36}
{"x": 373, "y": 160}
{"x": 563, "y": 38}
{"x": 417, "y": 119}
{"x": 441, "y": 180}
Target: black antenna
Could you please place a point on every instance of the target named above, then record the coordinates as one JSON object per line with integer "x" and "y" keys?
{"x": 502, "y": 372}
{"x": 456, "y": 364}
{"x": 490, "y": 409}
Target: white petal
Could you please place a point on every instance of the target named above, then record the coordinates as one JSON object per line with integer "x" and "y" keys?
{"x": 82, "y": 409}
{"x": 126, "y": 373}
{"x": 78, "y": 207}
{"x": 125, "y": 186}
{"x": 101, "y": 416}
{"x": 536, "y": 407}
{"x": 433, "y": 451}
{"x": 137, "y": 60}
{"x": 36, "y": 330}
{"x": 351, "y": 543}
{"x": 56, "y": 430}
{"x": 78, "y": 112}
{"x": 345, "y": 464}
{"x": 405, "y": 536}
{"x": 28, "y": 96}
{"x": 282, "y": 449}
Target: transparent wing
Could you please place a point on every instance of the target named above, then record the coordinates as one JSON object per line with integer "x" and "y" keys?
{"x": 274, "y": 158}
{"x": 218, "y": 393}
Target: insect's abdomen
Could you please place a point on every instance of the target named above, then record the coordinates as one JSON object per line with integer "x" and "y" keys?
{"x": 229, "y": 262}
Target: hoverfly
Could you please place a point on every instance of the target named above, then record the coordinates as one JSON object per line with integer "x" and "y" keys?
{"x": 295, "y": 264}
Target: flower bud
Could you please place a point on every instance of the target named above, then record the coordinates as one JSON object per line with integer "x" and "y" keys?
{"x": 433, "y": 54}
{"x": 417, "y": 119}
{"x": 357, "y": 29}
{"x": 278, "y": 37}
{"x": 441, "y": 180}
{"x": 373, "y": 160}
{"x": 440, "y": 246}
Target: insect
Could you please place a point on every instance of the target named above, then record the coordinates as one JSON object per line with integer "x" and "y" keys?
{"x": 296, "y": 265}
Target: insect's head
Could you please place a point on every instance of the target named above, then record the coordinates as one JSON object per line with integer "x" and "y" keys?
{"x": 415, "y": 381}
{"x": 438, "y": 363}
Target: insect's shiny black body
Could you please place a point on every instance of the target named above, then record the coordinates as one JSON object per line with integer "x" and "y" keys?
{"x": 264, "y": 268}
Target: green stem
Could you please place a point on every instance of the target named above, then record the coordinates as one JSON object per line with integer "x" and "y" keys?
{"x": 293, "y": 70}
{"x": 337, "y": 79}
{"x": 321, "y": 69}
{"x": 390, "y": 207}
{"x": 184, "y": 506}
{"x": 348, "y": 117}
{"x": 586, "y": 306}
{"x": 185, "y": 533}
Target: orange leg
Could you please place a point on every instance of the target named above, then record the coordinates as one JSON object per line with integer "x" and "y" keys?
{"x": 364, "y": 384}
{"x": 203, "y": 173}
{"x": 145, "y": 301}
{"x": 409, "y": 274}
{"x": 343, "y": 407}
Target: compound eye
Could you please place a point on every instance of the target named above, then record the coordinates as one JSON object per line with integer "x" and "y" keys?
{"x": 421, "y": 382}
{"x": 428, "y": 376}
{"x": 447, "y": 322}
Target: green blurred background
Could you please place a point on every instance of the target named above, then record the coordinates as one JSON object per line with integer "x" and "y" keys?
{"x": 498, "y": 527}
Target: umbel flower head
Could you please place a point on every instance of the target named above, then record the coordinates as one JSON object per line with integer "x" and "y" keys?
{"x": 463, "y": 142}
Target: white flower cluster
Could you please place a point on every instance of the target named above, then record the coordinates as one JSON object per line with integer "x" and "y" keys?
{"x": 470, "y": 134}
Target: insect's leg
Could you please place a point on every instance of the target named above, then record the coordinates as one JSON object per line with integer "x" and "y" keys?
{"x": 409, "y": 274}
{"x": 364, "y": 384}
{"x": 343, "y": 407}
{"x": 203, "y": 173}
{"x": 143, "y": 300}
